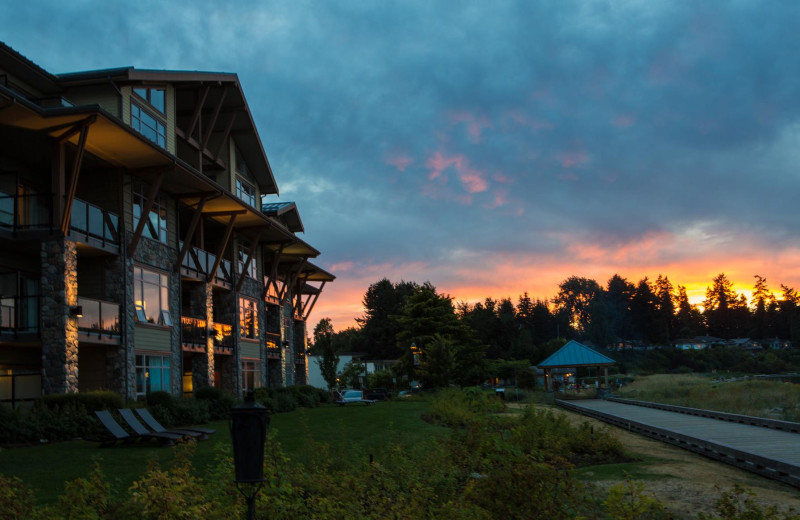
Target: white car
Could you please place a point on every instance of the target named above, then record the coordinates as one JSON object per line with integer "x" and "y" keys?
{"x": 352, "y": 396}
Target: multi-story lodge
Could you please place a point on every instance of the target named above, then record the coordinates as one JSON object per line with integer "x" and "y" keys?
{"x": 142, "y": 247}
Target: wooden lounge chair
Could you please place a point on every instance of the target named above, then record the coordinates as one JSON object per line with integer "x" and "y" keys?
{"x": 166, "y": 438}
{"x": 154, "y": 425}
{"x": 134, "y": 423}
{"x": 115, "y": 431}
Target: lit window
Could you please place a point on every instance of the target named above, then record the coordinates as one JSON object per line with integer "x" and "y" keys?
{"x": 152, "y": 374}
{"x": 151, "y": 297}
{"x": 156, "y": 226}
{"x": 244, "y": 253}
{"x": 251, "y": 376}
{"x": 246, "y": 192}
{"x": 146, "y": 124}
{"x": 248, "y": 318}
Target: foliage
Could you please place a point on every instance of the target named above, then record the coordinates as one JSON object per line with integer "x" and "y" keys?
{"x": 16, "y": 499}
{"x": 323, "y": 347}
{"x": 352, "y": 374}
{"x": 628, "y": 501}
{"x": 740, "y": 504}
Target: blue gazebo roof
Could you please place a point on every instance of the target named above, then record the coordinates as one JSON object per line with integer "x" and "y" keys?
{"x": 575, "y": 354}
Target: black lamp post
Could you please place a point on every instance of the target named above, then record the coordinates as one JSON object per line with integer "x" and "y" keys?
{"x": 248, "y": 425}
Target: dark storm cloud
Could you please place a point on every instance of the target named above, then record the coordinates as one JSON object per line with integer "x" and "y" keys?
{"x": 410, "y": 130}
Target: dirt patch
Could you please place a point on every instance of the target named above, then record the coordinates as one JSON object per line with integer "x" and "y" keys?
{"x": 691, "y": 483}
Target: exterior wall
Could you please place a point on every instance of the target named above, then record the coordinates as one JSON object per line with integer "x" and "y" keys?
{"x": 59, "y": 331}
{"x": 104, "y": 95}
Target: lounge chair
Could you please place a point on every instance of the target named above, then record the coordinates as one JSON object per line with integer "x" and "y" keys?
{"x": 167, "y": 438}
{"x": 154, "y": 425}
{"x": 117, "y": 434}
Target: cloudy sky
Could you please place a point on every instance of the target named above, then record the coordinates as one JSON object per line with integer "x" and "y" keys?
{"x": 496, "y": 147}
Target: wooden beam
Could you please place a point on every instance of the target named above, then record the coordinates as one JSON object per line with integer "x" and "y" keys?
{"x": 145, "y": 216}
{"x": 250, "y": 256}
{"x": 187, "y": 241}
{"x": 198, "y": 107}
{"x": 273, "y": 273}
{"x": 293, "y": 277}
{"x": 214, "y": 117}
{"x": 222, "y": 247}
{"x": 225, "y": 213}
{"x": 225, "y": 135}
{"x": 73, "y": 126}
{"x": 73, "y": 184}
{"x": 307, "y": 312}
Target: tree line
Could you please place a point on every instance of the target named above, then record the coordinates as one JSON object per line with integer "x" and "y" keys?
{"x": 459, "y": 340}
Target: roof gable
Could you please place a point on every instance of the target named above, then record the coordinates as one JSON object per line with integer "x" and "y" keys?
{"x": 575, "y": 354}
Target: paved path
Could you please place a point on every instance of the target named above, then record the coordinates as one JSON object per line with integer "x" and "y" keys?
{"x": 759, "y": 441}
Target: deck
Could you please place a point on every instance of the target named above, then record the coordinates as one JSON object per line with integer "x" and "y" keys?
{"x": 769, "y": 448}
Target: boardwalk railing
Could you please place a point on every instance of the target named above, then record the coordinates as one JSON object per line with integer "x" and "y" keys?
{"x": 770, "y": 468}
{"x": 774, "y": 424}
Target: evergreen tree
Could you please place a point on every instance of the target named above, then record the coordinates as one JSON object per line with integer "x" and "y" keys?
{"x": 323, "y": 347}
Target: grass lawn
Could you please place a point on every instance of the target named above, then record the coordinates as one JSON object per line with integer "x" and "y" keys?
{"x": 354, "y": 430}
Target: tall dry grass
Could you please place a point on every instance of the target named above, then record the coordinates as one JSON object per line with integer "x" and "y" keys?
{"x": 772, "y": 399}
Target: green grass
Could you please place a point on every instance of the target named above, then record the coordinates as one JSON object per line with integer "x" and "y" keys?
{"x": 352, "y": 431}
{"x": 759, "y": 398}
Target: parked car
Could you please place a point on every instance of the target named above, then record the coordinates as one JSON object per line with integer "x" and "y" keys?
{"x": 352, "y": 396}
{"x": 378, "y": 394}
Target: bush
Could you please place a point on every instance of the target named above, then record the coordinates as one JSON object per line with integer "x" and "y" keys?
{"x": 219, "y": 403}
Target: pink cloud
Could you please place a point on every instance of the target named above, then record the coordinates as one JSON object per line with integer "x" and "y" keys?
{"x": 623, "y": 121}
{"x": 400, "y": 162}
{"x": 472, "y": 180}
{"x": 475, "y": 124}
{"x": 570, "y": 159}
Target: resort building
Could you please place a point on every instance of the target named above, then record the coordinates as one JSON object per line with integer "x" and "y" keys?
{"x": 142, "y": 244}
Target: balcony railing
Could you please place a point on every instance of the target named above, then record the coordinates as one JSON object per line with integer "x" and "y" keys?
{"x": 94, "y": 223}
{"x": 98, "y": 317}
{"x": 223, "y": 337}
{"x": 194, "y": 332}
{"x": 201, "y": 262}
{"x": 273, "y": 342}
{"x": 19, "y": 314}
{"x": 26, "y": 211}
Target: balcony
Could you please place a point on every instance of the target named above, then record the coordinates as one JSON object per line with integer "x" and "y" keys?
{"x": 197, "y": 264}
{"x": 194, "y": 334}
{"x": 95, "y": 226}
{"x": 19, "y": 317}
{"x": 223, "y": 338}
{"x": 25, "y": 212}
{"x": 98, "y": 322}
{"x": 273, "y": 345}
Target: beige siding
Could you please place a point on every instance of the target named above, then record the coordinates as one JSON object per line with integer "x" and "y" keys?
{"x": 250, "y": 350}
{"x": 104, "y": 95}
{"x": 152, "y": 339}
{"x": 126, "y": 104}
{"x": 172, "y": 146}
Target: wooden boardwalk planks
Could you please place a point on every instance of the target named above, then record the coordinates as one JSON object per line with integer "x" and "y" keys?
{"x": 748, "y": 445}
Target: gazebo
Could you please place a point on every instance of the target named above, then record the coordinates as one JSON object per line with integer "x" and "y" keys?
{"x": 575, "y": 354}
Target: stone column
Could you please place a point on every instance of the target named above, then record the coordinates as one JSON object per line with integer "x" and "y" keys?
{"x": 287, "y": 337}
{"x": 59, "y": 288}
{"x": 201, "y": 306}
{"x": 115, "y": 280}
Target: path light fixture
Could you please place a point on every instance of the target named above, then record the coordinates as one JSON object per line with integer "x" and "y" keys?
{"x": 248, "y": 425}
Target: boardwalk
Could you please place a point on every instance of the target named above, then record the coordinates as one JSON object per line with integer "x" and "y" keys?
{"x": 769, "y": 452}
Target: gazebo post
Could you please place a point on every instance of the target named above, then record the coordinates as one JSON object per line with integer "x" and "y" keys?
{"x": 606, "y": 371}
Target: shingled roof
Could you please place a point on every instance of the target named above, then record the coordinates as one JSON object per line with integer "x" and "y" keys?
{"x": 575, "y": 354}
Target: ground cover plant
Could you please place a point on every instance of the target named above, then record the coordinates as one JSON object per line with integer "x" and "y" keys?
{"x": 756, "y": 397}
{"x": 359, "y": 462}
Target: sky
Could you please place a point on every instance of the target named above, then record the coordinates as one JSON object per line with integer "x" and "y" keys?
{"x": 493, "y": 148}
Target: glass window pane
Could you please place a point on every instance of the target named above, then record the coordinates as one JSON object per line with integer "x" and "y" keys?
{"x": 157, "y": 98}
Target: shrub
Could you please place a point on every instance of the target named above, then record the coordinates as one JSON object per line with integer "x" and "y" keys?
{"x": 16, "y": 499}
{"x": 159, "y": 399}
{"x": 219, "y": 403}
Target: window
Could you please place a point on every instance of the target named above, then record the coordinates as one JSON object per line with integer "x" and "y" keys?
{"x": 246, "y": 192}
{"x": 156, "y": 226}
{"x": 152, "y": 374}
{"x": 151, "y": 296}
{"x": 241, "y": 165}
{"x": 244, "y": 253}
{"x": 156, "y": 97}
{"x": 148, "y": 125}
{"x": 248, "y": 318}
{"x": 251, "y": 376}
